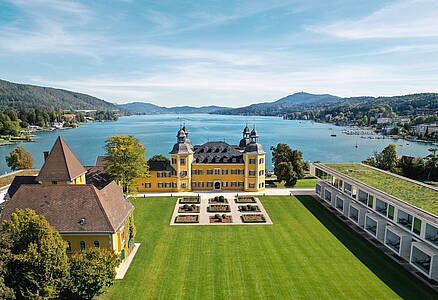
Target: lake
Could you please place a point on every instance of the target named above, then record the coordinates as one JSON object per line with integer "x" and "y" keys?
{"x": 158, "y": 134}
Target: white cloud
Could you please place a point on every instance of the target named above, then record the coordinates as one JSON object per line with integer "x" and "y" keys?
{"x": 199, "y": 84}
{"x": 403, "y": 19}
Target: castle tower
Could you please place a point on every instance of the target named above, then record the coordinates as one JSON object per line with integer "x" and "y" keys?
{"x": 245, "y": 138}
{"x": 254, "y": 157}
{"x": 181, "y": 160}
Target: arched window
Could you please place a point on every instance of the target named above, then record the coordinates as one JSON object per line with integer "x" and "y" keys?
{"x": 82, "y": 245}
{"x": 68, "y": 246}
{"x": 96, "y": 244}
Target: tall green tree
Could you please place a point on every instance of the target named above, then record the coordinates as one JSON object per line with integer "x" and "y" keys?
{"x": 431, "y": 161}
{"x": 387, "y": 159}
{"x": 126, "y": 160}
{"x": 19, "y": 159}
{"x": 288, "y": 164}
{"x": 5, "y": 259}
{"x": 91, "y": 271}
{"x": 39, "y": 266}
{"x": 158, "y": 157}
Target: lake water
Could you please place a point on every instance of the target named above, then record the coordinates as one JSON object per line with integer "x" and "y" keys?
{"x": 158, "y": 134}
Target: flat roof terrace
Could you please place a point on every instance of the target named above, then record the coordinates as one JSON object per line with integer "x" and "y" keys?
{"x": 404, "y": 189}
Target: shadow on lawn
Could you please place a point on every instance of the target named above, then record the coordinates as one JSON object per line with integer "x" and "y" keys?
{"x": 392, "y": 274}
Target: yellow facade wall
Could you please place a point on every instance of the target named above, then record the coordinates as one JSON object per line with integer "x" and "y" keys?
{"x": 222, "y": 178}
{"x": 104, "y": 240}
{"x": 187, "y": 177}
{"x": 77, "y": 180}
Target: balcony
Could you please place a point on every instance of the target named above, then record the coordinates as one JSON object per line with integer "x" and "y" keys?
{"x": 431, "y": 234}
{"x": 424, "y": 258}
{"x": 375, "y": 225}
{"x": 398, "y": 240}
{"x": 404, "y": 219}
{"x": 382, "y": 207}
{"x": 357, "y": 213}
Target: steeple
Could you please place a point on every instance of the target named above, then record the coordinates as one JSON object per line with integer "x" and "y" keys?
{"x": 245, "y": 139}
{"x": 181, "y": 136}
{"x": 254, "y": 135}
{"x": 246, "y": 132}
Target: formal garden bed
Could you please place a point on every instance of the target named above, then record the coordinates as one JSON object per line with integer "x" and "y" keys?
{"x": 186, "y": 208}
{"x": 245, "y": 199}
{"x": 190, "y": 200}
{"x": 253, "y": 218}
{"x": 217, "y": 199}
{"x": 249, "y": 208}
{"x": 187, "y": 219}
{"x": 217, "y": 218}
{"x": 218, "y": 208}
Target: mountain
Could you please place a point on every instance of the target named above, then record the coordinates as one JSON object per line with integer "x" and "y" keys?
{"x": 291, "y": 103}
{"x": 22, "y": 96}
{"x": 149, "y": 108}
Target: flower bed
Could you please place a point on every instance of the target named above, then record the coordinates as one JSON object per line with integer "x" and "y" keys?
{"x": 187, "y": 219}
{"x": 189, "y": 200}
{"x": 189, "y": 208}
{"x": 245, "y": 200}
{"x": 220, "y": 219}
{"x": 218, "y": 208}
{"x": 253, "y": 218}
{"x": 249, "y": 208}
{"x": 217, "y": 199}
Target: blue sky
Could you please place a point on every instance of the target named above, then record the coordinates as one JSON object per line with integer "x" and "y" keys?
{"x": 228, "y": 53}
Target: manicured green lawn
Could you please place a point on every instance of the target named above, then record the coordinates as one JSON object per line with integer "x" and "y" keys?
{"x": 307, "y": 182}
{"x": 418, "y": 195}
{"x": 306, "y": 253}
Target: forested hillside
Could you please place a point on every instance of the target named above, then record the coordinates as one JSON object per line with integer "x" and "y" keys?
{"x": 24, "y": 96}
{"x": 418, "y": 107}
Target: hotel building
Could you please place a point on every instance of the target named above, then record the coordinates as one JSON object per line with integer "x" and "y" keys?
{"x": 211, "y": 166}
{"x": 399, "y": 212}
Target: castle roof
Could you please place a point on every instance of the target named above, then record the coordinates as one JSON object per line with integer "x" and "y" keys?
{"x": 217, "y": 152}
{"x": 61, "y": 164}
{"x": 160, "y": 166}
{"x": 254, "y": 148}
{"x": 182, "y": 148}
{"x": 64, "y": 206}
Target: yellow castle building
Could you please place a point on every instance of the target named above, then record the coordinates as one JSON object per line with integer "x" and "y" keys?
{"x": 212, "y": 166}
{"x": 80, "y": 202}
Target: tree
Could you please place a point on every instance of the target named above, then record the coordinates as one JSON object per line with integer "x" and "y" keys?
{"x": 39, "y": 265}
{"x": 158, "y": 157}
{"x": 288, "y": 164}
{"x": 19, "y": 159}
{"x": 126, "y": 160}
{"x": 431, "y": 161}
{"x": 5, "y": 258}
{"x": 91, "y": 271}
{"x": 387, "y": 159}
{"x": 285, "y": 171}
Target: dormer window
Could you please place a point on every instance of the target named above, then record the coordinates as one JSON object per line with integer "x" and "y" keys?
{"x": 82, "y": 221}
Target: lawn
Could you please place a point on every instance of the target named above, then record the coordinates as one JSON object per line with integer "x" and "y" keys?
{"x": 5, "y": 180}
{"x": 306, "y": 253}
{"x": 308, "y": 181}
{"x": 416, "y": 194}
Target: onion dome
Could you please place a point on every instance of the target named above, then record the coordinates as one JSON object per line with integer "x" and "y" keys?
{"x": 181, "y": 134}
{"x": 246, "y": 129}
{"x": 185, "y": 129}
{"x": 254, "y": 134}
